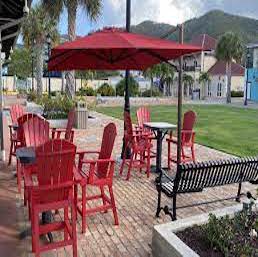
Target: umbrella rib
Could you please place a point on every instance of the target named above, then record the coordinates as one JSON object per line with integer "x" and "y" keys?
{"x": 160, "y": 58}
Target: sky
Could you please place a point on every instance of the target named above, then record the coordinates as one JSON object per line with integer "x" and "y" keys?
{"x": 167, "y": 11}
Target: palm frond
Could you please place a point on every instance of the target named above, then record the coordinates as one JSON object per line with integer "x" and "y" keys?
{"x": 92, "y": 7}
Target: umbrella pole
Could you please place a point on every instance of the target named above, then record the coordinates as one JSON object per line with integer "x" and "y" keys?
{"x": 127, "y": 75}
{"x": 179, "y": 110}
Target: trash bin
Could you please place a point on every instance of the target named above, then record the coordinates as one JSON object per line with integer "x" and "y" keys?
{"x": 196, "y": 94}
{"x": 81, "y": 115}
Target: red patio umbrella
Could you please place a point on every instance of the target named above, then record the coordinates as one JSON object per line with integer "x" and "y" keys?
{"x": 115, "y": 49}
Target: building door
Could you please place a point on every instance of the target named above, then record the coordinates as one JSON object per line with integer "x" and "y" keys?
{"x": 209, "y": 89}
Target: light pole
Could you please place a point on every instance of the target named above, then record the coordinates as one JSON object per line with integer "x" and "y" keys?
{"x": 49, "y": 49}
{"x": 32, "y": 64}
{"x": 248, "y": 55}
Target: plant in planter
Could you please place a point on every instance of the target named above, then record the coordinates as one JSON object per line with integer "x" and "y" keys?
{"x": 225, "y": 236}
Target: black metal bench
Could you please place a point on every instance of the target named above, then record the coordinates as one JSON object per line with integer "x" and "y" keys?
{"x": 194, "y": 177}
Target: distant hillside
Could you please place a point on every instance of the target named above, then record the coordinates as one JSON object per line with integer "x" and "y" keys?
{"x": 215, "y": 23}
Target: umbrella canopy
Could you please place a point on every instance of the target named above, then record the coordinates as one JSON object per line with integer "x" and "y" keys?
{"x": 115, "y": 49}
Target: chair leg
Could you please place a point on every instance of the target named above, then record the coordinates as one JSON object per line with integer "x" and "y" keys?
{"x": 130, "y": 166}
{"x": 36, "y": 232}
{"x": 103, "y": 196}
{"x": 18, "y": 169}
{"x": 76, "y": 200}
{"x": 169, "y": 154}
{"x": 11, "y": 153}
{"x": 66, "y": 219}
{"x": 123, "y": 164}
{"x": 148, "y": 164}
{"x": 83, "y": 209}
{"x": 74, "y": 210}
{"x": 193, "y": 153}
{"x": 113, "y": 205}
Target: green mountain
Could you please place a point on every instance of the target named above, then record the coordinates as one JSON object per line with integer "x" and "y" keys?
{"x": 215, "y": 23}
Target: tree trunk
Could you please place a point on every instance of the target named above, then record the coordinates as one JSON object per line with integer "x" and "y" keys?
{"x": 39, "y": 67}
{"x": 72, "y": 9}
{"x": 228, "y": 70}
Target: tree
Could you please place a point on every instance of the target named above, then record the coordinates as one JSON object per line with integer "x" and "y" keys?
{"x": 164, "y": 73}
{"x": 203, "y": 80}
{"x": 229, "y": 48}
{"x": 188, "y": 83}
{"x": 55, "y": 8}
{"x": 20, "y": 63}
{"x": 133, "y": 86}
{"x": 35, "y": 29}
{"x": 106, "y": 90}
{"x": 150, "y": 74}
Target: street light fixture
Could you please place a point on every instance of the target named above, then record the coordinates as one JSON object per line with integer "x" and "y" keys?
{"x": 49, "y": 49}
{"x": 248, "y": 56}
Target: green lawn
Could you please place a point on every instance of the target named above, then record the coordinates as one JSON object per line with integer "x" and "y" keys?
{"x": 229, "y": 129}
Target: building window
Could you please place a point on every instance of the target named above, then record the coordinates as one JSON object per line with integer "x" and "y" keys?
{"x": 209, "y": 89}
{"x": 219, "y": 90}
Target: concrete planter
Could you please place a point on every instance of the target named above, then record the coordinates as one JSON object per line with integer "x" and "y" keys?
{"x": 58, "y": 123}
{"x": 165, "y": 243}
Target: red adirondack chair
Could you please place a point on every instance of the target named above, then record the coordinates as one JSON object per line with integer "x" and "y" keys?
{"x": 97, "y": 173}
{"x": 16, "y": 111}
{"x": 36, "y": 133}
{"x": 68, "y": 132}
{"x": 139, "y": 144}
{"x": 188, "y": 136}
{"x": 143, "y": 115}
{"x": 53, "y": 191}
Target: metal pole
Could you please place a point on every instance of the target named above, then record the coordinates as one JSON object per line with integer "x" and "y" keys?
{"x": 2, "y": 157}
{"x": 49, "y": 80}
{"x": 247, "y": 78}
{"x": 127, "y": 73}
{"x": 32, "y": 69}
{"x": 127, "y": 76}
{"x": 179, "y": 115}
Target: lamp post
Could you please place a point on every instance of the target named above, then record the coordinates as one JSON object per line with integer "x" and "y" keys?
{"x": 32, "y": 64}
{"x": 49, "y": 49}
{"x": 247, "y": 76}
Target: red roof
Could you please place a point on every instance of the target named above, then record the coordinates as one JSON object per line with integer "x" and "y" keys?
{"x": 219, "y": 68}
{"x": 205, "y": 41}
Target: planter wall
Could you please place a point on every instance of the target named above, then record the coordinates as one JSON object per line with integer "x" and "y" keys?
{"x": 58, "y": 123}
{"x": 165, "y": 243}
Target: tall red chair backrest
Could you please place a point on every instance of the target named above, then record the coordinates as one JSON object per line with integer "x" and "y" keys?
{"x": 36, "y": 131}
{"x": 128, "y": 133}
{"x": 20, "y": 133}
{"x": 107, "y": 145}
{"x": 55, "y": 159}
{"x": 143, "y": 115}
{"x": 70, "y": 123}
{"x": 188, "y": 124}
{"x": 16, "y": 111}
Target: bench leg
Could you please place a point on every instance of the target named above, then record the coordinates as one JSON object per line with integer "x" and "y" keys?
{"x": 174, "y": 208}
{"x": 159, "y": 198}
{"x": 239, "y": 192}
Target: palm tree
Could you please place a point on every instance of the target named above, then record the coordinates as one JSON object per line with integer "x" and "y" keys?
{"x": 229, "y": 49}
{"x": 203, "y": 80}
{"x": 55, "y": 8}
{"x": 150, "y": 73}
{"x": 35, "y": 30}
{"x": 188, "y": 83}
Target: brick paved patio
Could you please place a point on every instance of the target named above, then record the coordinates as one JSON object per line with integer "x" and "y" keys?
{"x": 136, "y": 204}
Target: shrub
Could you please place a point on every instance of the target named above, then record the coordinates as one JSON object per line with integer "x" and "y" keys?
{"x": 106, "y": 90}
{"x": 237, "y": 94}
{"x": 133, "y": 87}
{"x": 86, "y": 91}
{"x": 152, "y": 93}
{"x": 56, "y": 108}
{"x": 32, "y": 96}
